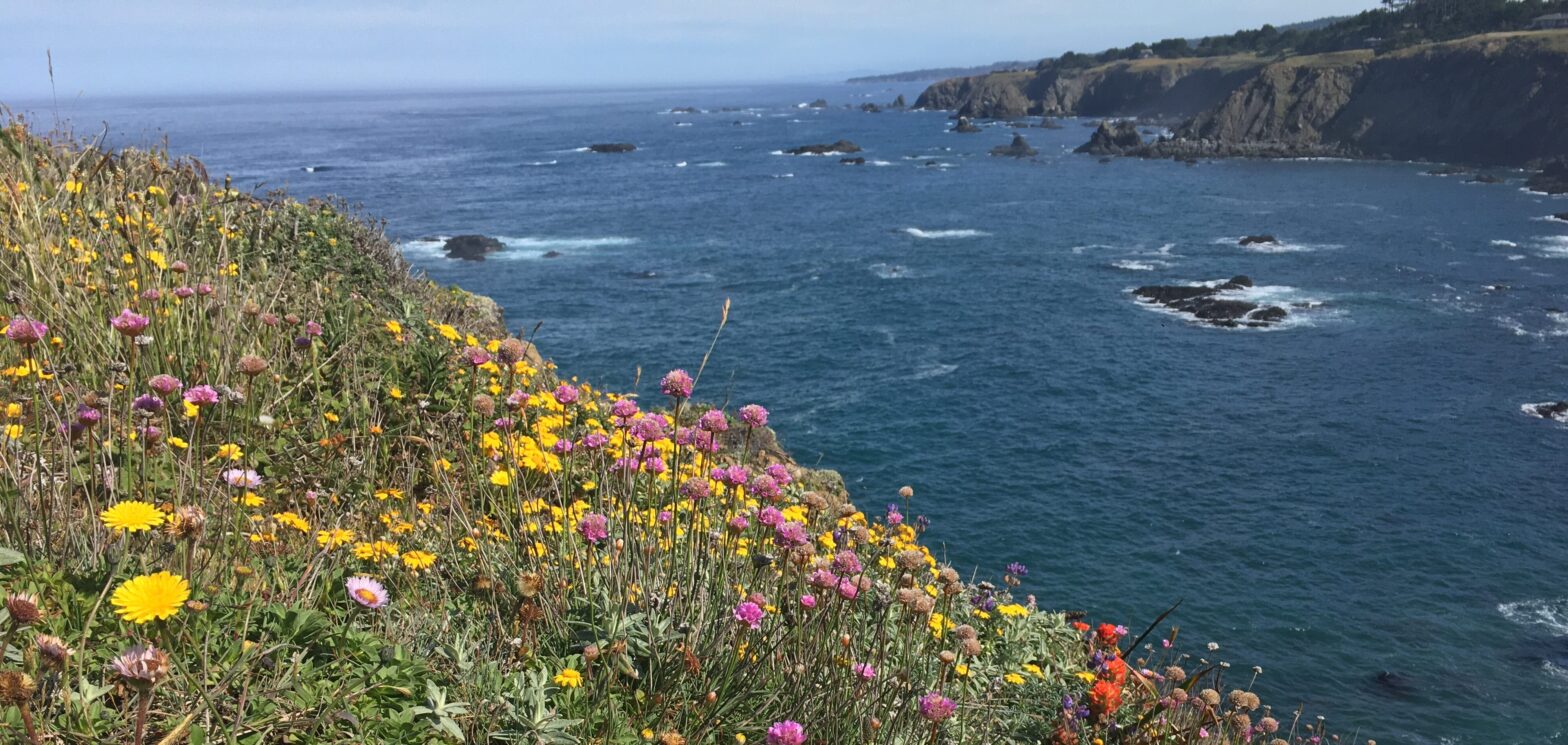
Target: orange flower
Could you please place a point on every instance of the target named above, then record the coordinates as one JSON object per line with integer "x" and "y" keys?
{"x": 1115, "y": 671}
{"x": 1105, "y": 698}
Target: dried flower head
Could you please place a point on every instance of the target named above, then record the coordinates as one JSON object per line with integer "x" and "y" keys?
{"x": 52, "y": 651}
{"x": 16, "y": 688}
{"x": 251, "y": 365}
{"x": 23, "y": 608}
{"x": 187, "y": 523}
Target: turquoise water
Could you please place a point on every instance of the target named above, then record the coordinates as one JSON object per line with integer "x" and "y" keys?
{"x": 1351, "y": 494}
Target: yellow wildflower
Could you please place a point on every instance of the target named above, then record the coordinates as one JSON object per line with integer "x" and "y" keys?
{"x": 569, "y": 678}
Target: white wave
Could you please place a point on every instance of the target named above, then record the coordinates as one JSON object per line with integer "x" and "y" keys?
{"x": 1553, "y": 246}
{"x": 775, "y": 152}
{"x": 923, "y": 157}
{"x": 1303, "y": 309}
{"x": 542, "y": 163}
{"x": 1558, "y": 326}
{"x": 891, "y": 271}
{"x": 1555, "y": 671}
{"x": 683, "y": 124}
{"x": 712, "y": 164}
{"x": 434, "y": 248}
{"x": 1531, "y": 410}
{"x": 1549, "y": 218}
{"x": 1549, "y": 614}
{"x": 681, "y": 164}
{"x": 1517, "y": 257}
{"x": 1505, "y": 244}
{"x": 878, "y": 163}
{"x": 1134, "y": 266}
{"x": 580, "y": 150}
{"x": 936, "y": 370}
{"x": 783, "y": 175}
{"x": 938, "y": 234}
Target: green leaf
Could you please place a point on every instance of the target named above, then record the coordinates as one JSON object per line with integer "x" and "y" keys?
{"x": 9, "y": 557}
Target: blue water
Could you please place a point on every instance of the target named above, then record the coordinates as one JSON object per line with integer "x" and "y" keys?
{"x": 1352, "y": 493}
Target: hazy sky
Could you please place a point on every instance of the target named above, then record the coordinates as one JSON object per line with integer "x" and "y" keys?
{"x": 108, "y": 47}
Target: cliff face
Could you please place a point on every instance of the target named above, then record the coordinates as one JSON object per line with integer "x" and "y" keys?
{"x": 1498, "y": 99}
{"x": 1152, "y": 87}
{"x": 1493, "y": 99}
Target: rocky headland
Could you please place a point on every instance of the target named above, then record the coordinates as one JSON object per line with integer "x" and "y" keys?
{"x": 1491, "y": 99}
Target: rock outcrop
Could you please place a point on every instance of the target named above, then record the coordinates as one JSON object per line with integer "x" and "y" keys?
{"x": 1112, "y": 138}
{"x": 471, "y": 247}
{"x": 1490, "y": 99}
{"x": 1556, "y": 411}
{"x": 836, "y": 148}
{"x": 871, "y": 108}
{"x": 612, "y": 147}
{"x": 898, "y": 103}
{"x": 1264, "y": 239}
{"x": 852, "y": 161}
{"x": 964, "y": 126}
{"x": 1208, "y": 303}
{"x": 820, "y": 103}
{"x": 1019, "y": 148}
{"x": 1552, "y": 179}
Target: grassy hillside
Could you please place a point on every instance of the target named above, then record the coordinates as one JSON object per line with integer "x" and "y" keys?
{"x": 257, "y": 485}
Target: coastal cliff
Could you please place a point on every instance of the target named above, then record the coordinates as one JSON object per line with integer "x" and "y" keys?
{"x": 1491, "y": 99}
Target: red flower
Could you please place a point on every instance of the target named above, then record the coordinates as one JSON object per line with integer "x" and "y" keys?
{"x": 1115, "y": 671}
{"x": 1080, "y": 625}
{"x": 1107, "y": 635}
{"x": 1105, "y": 698}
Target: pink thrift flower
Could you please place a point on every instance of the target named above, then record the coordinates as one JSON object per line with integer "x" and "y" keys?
{"x": 786, "y": 733}
{"x": 808, "y": 601}
{"x": 594, "y": 527}
{"x": 935, "y": 707}
{"x": 754, "y": 415}
{"x": 128, "y": 323}
{"x": 202, "y": 395}
{"x": 165, "y": 384}
{"x": 749, "y": 613}
{"x": 25, "y": 331}
{"x": 676, "y": 384}
{"x": 565, "y": 395}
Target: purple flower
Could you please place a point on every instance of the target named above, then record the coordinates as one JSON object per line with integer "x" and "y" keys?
{"x": 151, "y": 435}
{"x": 25, "y": 331}
{"x": 366, "y": 592}
{"x": 202, "y": 395}
{"x": 165, "y": 384}
{"x": 676, "y": 384}
{"x": 517, "y": 399}
{"x": 594, "y": 528}
{"x": 562, "y": 447}
{"x": 204, "y": 289}
{"x": 649, "y": 428}
{"x": 666, "y": 516}
{"x": 763, "y": 486}
{"x": 934, "y": 707}
{"x": 654, "y": 465}
{"x": 151, "y": 294}
{"x": 625, "y": 410}
{"x": 779, "y": 473}
{"x": 244, "y": 478}
{"x": 739, "y": 523}
{"x": 808, "y": 601}
{"x": 626, "y": 465}
{"x": 749, "y": 613}
{"x": 790, "y": 534}
{"x": 128, "y": 323}
{"x": 821, "y": 578}
{"x": 848, "y": 589}
{"x": 846, "y": 562}
{"x": 713, "y": 420}
{"x": 736, "y": 475}
{"x": 770, "y": 516}
{"x": 695, "y": 489}
{"x": 594, "y": 441}
{"x": 475, "y": 356}
{"x": 786, "y": 733}
{"x": 184, "y": 293}
{"x": 504, "y": 424}
{"x": 754, "y": 415}
{"x": 313, "y": 328}
{"x": 864, "y": 670}
{"x": 1017, "y": 570}
{"x": 565, "y": 395}
{"x": 88, "y": 416}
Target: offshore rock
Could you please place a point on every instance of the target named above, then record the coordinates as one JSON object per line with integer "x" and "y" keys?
{"x": 1112, "y": 138}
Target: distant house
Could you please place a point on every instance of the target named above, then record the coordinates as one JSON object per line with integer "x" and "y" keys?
{"x": 1145, "y": 53}
{"x": 1550, "y": 20}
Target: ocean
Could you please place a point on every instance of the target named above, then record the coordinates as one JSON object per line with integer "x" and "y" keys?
{"x": 1352, "y": 500}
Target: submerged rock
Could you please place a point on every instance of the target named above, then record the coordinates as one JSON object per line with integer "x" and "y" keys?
{"x": 471, "y": 247}
{"x": 552, "y": 254}
{"x": 1266, "y": 239}
{"x": 871, "y": 108}
{"x": 1049, "y": 123}
{"x": 852, "y": 161}
{"x": 612, "y": 147}
{"x": 1483, "y": 178}
{"x": 964, "y": 126}
{"x": 1448, "y": 171}
{"x": 842, "y": 146}
{"x": 1556, "y": 411}
{"x": 1561, "y": 216}
{"x": 1110, "y": 138}
{"x": 1019, "y": 148}
{"x": 820, "y": 103}
{"x": 1206, "y": 303}
{"x": 685, "y": 110}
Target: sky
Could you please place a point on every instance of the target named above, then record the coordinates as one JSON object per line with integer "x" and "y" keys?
{"x": 110, "y": 47}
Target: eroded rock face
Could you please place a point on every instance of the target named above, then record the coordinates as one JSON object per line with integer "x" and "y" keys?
{"x": 1019, "y": 148}
{"x": 1209, "y": 304}
{"x": 1552, "y": 179}
{"x": 471, "y": 247}
{"x": 612, "y": 147}
{"x": 842, "y": 146}
{"x": 1112, "y": 138}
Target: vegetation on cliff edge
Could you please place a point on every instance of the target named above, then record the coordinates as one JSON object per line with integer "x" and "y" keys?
{"x": 258, "y": 485}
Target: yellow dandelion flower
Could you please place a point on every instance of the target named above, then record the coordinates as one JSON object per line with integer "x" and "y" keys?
{"x": 132, "y": 516}
{"x": 151, "y": 597}
{"x": 1014, "y": 679}
{"x": 396, "y": 393}
{"x": 292, "y": 520}
{"x": 501, "y": 478}
{"x": 393, "y": 327}
{"x": 569, "y": 678}
{"x": 417, "y": 560}
{"x": 230, "y": 451}
{"x": 961, "y": 670}
{"x": 13, "y": 410}
{"x": 1013, "y": 610}
{"x": 14, "y": 431}
{"x": 334, "y": 538}
{"x": 177, "y": 442}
